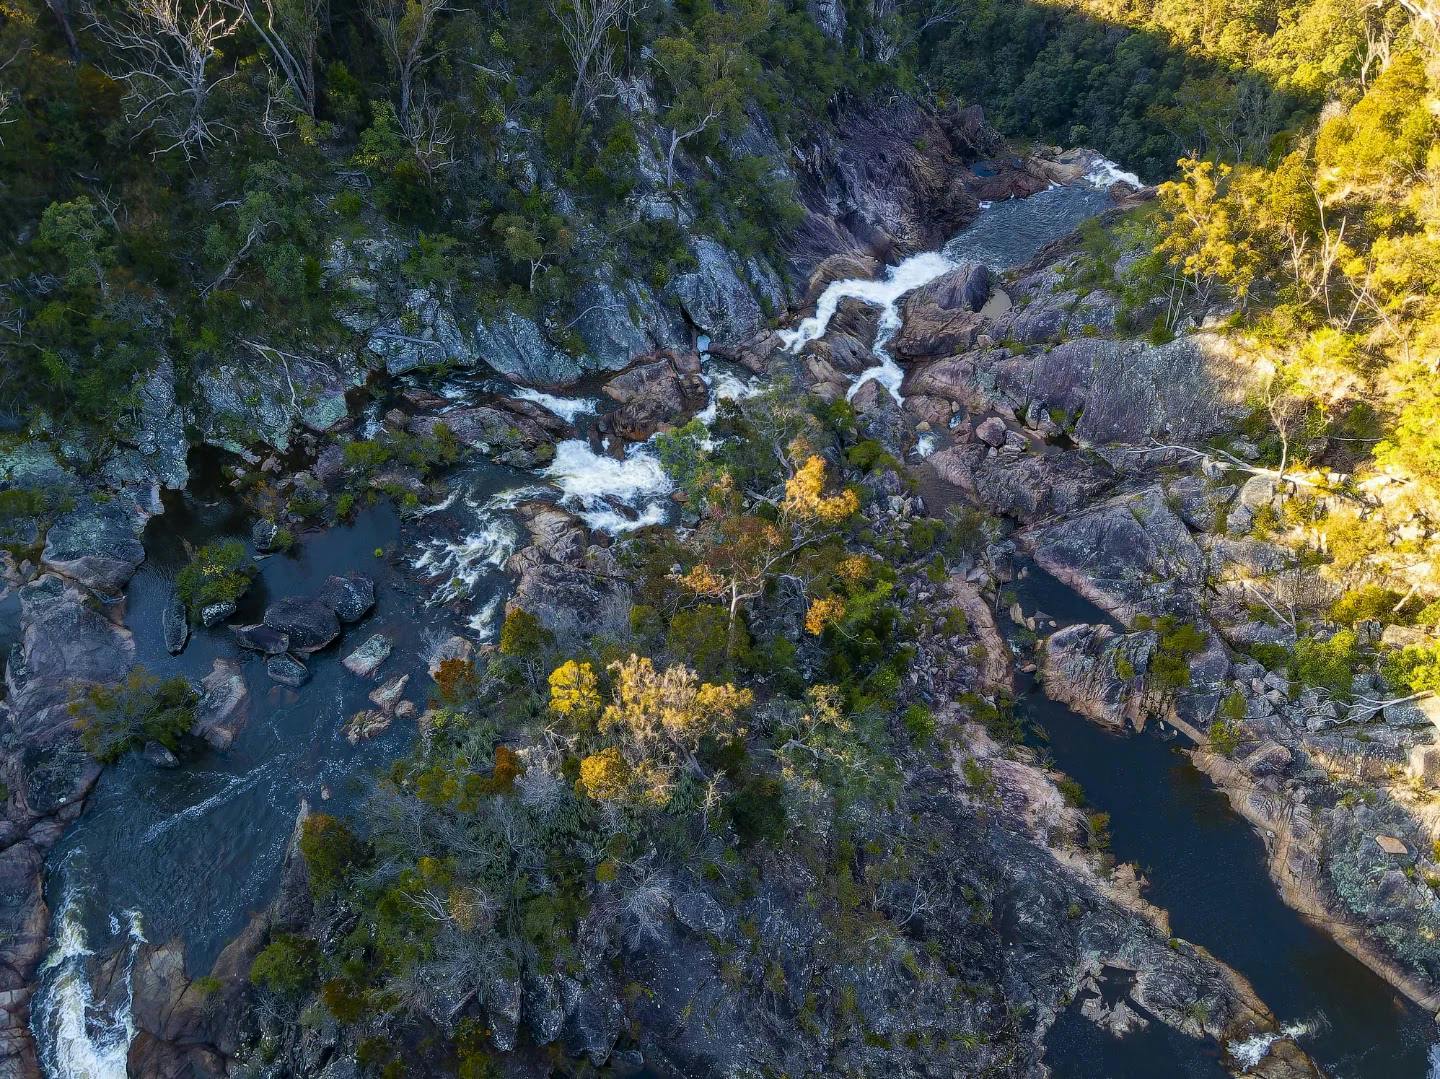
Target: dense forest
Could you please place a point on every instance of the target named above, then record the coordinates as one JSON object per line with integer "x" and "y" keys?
{"x": 174, "y": 178}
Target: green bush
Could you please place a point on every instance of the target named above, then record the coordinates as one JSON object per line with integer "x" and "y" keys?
{"x": 1370, "y": 603}
{"x": 1413, "y": 670}
{"x": 1224, "y": 736}
{"x": 113, "y": 720}
{"x": 331, "y": 851}
{"x": 218, "y": 573}
{"x": 522, "y": 635}
{"x": 758, "y": 810}
{"x": 1328, "y": 664}
{"x": 920, "y": 724}
{"x": 1178, "y": 642}
{"x": 286, "y": 966}
{"x": 343, "y": 999}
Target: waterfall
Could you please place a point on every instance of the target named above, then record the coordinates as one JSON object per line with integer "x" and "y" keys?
{"x": 78, "y": 1039}
{"x": 885, "y": 293}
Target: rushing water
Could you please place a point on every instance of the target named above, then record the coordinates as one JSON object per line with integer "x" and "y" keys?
{"x": 1004, "y": 236}
{"x": 189, "y": 852}
{"x": 1208, "y": 869}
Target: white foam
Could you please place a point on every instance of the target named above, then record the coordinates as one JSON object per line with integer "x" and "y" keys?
{"x": 885, "y": 293}
{"x": 725, "y": 387}
{"x": 482, "y": 622}
{"x": 925, "y": 445}
{"x": 567, "y": 408}
{"x": 1249, "y": 1052}
{"x": 81, "y": 1041}
{"x": 588, "y": 481}
{"x": 460, "y": 565}
{"x": 233, "y": 786}
{"x": 1105, "y": 172}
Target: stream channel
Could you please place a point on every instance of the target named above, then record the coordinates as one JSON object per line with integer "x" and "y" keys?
{"x": 191, "y": 851}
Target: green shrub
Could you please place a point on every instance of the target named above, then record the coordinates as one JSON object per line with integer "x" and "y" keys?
{"x": 218, "y": 573}
{"x": 522, "y": 635}
{"x": 1368, "y": 604}
{"x": 113, "y": 720}
{"x": 1178, "y": 642}
{"x": 700, "y": 637}
{"x": 343, "y": 999}
{"x": 331, "y": 851}
{"x": 1414, "y": 670}
{"x": 1224, "y": 736}
{"x": 1233, "y": 708}
{"x": 1328, "y": 664}
{"x": 758, "y": 810}
{"x": 920, "y": 724}
{"x": 286, "y": 966}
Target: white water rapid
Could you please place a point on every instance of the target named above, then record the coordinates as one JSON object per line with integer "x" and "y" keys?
{"x": 887, "y": 291}
{"x": 82, "y": 1040}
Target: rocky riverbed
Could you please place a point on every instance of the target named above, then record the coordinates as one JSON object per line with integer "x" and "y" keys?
{"x": 1013, "y": 390}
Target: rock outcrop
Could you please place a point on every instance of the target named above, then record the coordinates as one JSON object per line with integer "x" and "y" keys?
{"x": 660, "y": 390}
{"x": 508, "y": 430}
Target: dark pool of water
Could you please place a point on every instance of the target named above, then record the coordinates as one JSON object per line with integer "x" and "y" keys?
{"x": 1207, "y": 868}
{"x": 197, "y": 847}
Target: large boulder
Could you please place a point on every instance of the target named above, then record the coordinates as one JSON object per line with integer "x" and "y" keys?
{"x": 846, "y": 266}
{"x": 287, "y": 670}
{"x": 65, "y": 642}
{"x": 261, "y": 638}
{"x": 366, "y": 659}
{"x": 1130, "y": 555}
{"x": 1099, "y": 673}
{"x": 509, "y": 430}
{"x": 660, "y": 390}
{"x": 153, "y": 445}
{"x": 350, "y": 597}
{"x": 224, "y": 704}
{"x": 97, "y": 544}
{"x": 175, "y": 624}
{"x": 618, "y": 322}
{"x": 716, "y": 296}
{"x": 309, "y": 624}
{"x": 264, "y": 395}
{"x": 514, "y": 347}
{"x": 1128, "y": 391}
{"x": 1027, "y": 485}
{"x": 965, "y": 288}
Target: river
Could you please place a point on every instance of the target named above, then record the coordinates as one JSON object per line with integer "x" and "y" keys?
{"x": 189, "y": 852}
{"x": 1207, "y": 867}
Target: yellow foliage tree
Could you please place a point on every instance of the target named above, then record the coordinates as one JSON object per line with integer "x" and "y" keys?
{"x": 605, "y": 775}
{"x": 1199, "y": 233}
{"x": 575, "y": 691}
{"x": 671, "y": 710}
{"x": 824, "y": 613}
{"x": 806, "y": 500}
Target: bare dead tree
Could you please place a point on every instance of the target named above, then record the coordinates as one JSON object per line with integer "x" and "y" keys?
{"x": 164, "y": 50}
{"x": 678, "y": 136}
{"x": 899, "y": 24}
{"x": 404, "y": 30}
{"x": 589, "y": 29}
{"x": 290, "y": 31}
{"x": 61, "y": 10}
{"x": 429, "y": 133}
{"x": 6, "y": 101}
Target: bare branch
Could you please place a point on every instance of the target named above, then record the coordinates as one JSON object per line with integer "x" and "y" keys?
{"x": 165, "y": 49}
